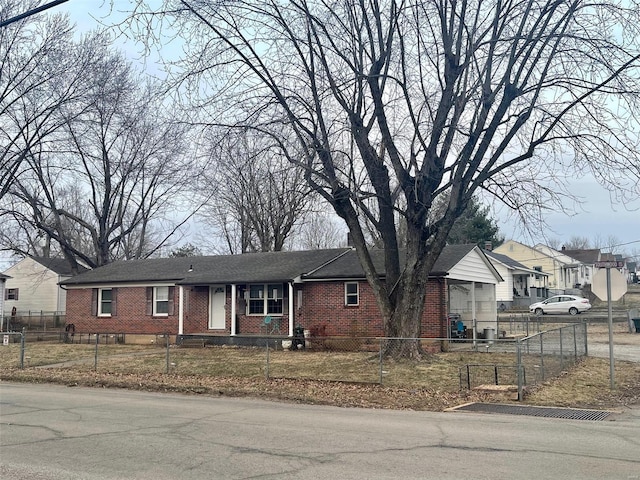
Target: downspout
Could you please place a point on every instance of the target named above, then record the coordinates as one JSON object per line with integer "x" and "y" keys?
{"x": 292, "y": 313}
{"x": 180, "y": 310}
{"x": 233, "y": 309}
{"x": 473, "y": 312}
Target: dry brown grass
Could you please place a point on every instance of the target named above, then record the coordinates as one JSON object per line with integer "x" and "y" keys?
{"x": 336, "y": 378}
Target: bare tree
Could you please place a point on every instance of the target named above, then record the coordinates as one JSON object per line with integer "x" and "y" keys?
{"x": 398, "y": 103}
{"x": 114, "y": 173}
{"x": 577, "y": 243}
{"x": 260, "y": 198}
{"x": 42, "y": 74}
{"x": 320, "y": 230}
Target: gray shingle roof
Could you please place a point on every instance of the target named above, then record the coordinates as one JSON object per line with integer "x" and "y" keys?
{"x": 508, "y": 261}
{"x": 58, "y": 265}
{"x": 348, "y": 265}
{"x": 248, "y": 267}
{"x": 588, "y": 256}
{"x": 251, "y": 267}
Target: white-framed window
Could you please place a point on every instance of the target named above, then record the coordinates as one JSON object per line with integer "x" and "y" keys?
{"x": 160, "y": 301}
{"x": 265, "y": 299}
{"x": 105, "y": 302}
{"x": 351, "y": 294}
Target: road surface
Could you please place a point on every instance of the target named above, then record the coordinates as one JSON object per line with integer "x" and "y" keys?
{"x": 54, "y": 432}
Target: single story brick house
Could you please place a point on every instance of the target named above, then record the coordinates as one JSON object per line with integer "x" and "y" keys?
{"x": 258, "y": 294}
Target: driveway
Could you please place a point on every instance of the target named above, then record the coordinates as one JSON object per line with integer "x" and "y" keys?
{"x": 626, "y": 346}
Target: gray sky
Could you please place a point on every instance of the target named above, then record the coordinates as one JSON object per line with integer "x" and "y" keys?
{"x": 598, "y": 216}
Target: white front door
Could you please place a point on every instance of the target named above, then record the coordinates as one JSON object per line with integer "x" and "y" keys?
{"x": 217, "y": 299}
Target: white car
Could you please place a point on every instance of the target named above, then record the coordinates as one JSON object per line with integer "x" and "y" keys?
{"x": 571, "y": 304}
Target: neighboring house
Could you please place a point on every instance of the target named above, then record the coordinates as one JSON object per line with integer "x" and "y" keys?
{"x": 585, "y": 268}
{"x": 33, "y": 286}
{"x": 550, "y": 262}
{"x": 568, "y": 270}
{"x": 522, "y": 285}
{"x": 324, "y": 291}
{"x": 633, "y": 275}
{"x": 3, "y": 279}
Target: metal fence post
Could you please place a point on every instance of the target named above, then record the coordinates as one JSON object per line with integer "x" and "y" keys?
{"x": 380, "y": 359}
{"x": 167, "y": 336}
{"x": 519, "y": 367}
{"x": 584, "y": 334}
{"x": 266, "y": 373}
{"x": 95, "y": 362}
{"x": 561, "y": 352}
{"x": 575, "y": 344}
{"x": 542, "y": 355}
{"x": 22, "y": 339}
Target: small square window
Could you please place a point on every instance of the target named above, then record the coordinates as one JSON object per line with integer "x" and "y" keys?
{"x": 351, "y": 294}
{"x": 11, "y": 294}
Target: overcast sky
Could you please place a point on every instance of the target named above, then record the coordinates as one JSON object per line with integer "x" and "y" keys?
{"x": 599, "y": 218}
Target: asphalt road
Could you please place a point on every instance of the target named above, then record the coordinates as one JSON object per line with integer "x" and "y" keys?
{"x": 54, "y": 432}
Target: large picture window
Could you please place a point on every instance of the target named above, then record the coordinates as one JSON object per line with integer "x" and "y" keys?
{"x": 265, "y": 299}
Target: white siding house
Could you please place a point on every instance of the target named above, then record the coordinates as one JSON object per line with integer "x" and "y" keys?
{"x": 521, "y": 287}
{"x": 33, "y": 286}
{"x": 472, "y": 290}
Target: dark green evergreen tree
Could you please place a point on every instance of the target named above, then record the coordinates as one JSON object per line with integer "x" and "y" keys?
{"x": 475, "y": 226}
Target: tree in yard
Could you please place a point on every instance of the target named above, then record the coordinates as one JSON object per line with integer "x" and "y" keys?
{"x": 397, "y": 104}
{"x": 42, "y": 74}
{"x": 107, "y": 186}
{"x": 474, "y": 225}
{"x": 186, "y": 250}
{"x": 259, "y": 199}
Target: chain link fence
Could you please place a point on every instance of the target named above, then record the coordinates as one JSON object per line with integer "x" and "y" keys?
{"x": 33, "y": 320}
{"x": 415, "y": 363}
{"x": 546, "y": 354}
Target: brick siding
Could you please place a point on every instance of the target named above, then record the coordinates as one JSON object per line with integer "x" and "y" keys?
{"x": 323, "y": 311}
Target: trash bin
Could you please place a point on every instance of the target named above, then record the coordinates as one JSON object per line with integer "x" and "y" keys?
{"x": 636, "y": 322}
{"x": 489, "y": 334}
{"x": 298, "y": 338}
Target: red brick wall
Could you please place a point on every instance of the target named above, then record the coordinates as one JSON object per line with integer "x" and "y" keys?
{"x": 323, "y": 311}
{"x": 130, "y": 315}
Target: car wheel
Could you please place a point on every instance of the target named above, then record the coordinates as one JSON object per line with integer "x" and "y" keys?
{"x": 573, "y": 311}
{"x": 539, "y": 311}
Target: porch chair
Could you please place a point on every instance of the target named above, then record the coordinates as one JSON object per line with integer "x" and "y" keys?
{"x": 270, "y": 324}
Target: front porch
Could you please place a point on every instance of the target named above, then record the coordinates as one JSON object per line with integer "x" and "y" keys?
{"x": 203, "y": 340}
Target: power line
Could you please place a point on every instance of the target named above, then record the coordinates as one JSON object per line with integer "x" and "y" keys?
{"x": 559, "y": 253}
{"x": 4, "y": 23}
